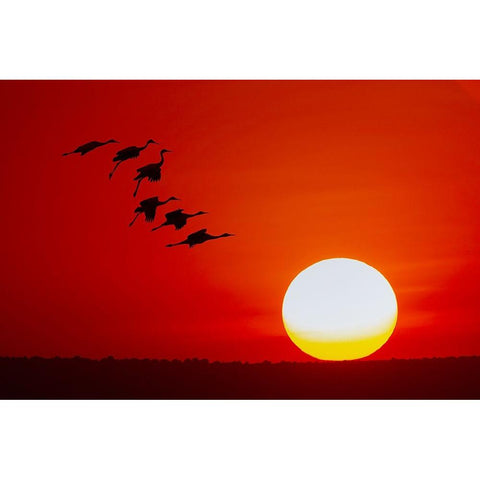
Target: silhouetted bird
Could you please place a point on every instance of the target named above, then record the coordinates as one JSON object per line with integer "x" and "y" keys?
{"x": 149, "y": 208}
{"x": 127, "y": 154}
{"x": 177, "y": 218}
{"x": 152, "y": 172}
{"x": 199, "y": 237}
{"x": 88, "y": 147}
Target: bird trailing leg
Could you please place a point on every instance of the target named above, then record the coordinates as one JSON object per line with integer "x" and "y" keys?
{"x": 176, "y": 244}
{"x": 136, "y": 189}
{"x": 160, "y": 226}
{"x": 110, "y": 175}
{"x": 133, "y": 221}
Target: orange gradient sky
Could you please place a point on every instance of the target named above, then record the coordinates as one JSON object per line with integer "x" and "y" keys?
{"x": 385, "y": 172}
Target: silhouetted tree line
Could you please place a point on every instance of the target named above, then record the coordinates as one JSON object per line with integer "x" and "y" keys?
{"x": 110, "y": 378}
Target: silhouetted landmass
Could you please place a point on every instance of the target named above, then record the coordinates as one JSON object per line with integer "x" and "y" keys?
{"x": 80, "y": 378}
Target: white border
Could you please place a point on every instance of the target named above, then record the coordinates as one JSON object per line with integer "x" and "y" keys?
{"x": 241, "y": 40}
{"x": 249, "y": 39}
{"x": 239, "y": 440}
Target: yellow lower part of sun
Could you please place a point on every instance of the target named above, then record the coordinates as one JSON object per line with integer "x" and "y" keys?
{"x": 341, "y": 349}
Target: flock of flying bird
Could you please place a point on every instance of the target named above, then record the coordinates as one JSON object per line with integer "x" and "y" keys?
{"x": 153, "y": 173}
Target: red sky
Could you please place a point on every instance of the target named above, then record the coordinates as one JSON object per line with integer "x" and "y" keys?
{"x": 300, "y": 171}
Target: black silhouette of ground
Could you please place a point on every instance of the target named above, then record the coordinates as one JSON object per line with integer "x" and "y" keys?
{"x": 80, "y": 378}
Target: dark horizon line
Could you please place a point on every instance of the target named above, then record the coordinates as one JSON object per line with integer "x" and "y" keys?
{"x": 243, "y": 362}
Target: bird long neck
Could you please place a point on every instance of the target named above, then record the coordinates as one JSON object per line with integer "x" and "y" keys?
{"x": 212, "y": 237}
{"x": 160, "y": 163}
{"x": 145, "y": 146}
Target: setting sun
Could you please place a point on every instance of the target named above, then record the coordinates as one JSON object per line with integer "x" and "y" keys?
{"x": 339, "y": 309}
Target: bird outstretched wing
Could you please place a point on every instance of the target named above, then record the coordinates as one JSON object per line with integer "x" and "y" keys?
{"x": 154, "y": 174}
{"x": 150, "y": 213}
{"x": 197, "y": 234}
{"x": 149, "y": 202}
{"x": 174, "y": 214}
{"x": 142, "y": 173}
{"x": 126, "y": 153}
{"x": 145, "y": 169}
{"x": 87, "y": 147}
{"x": 90, "y": 145}
{"x": 150, "y": 171}
{"x": 179, "y": 222}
